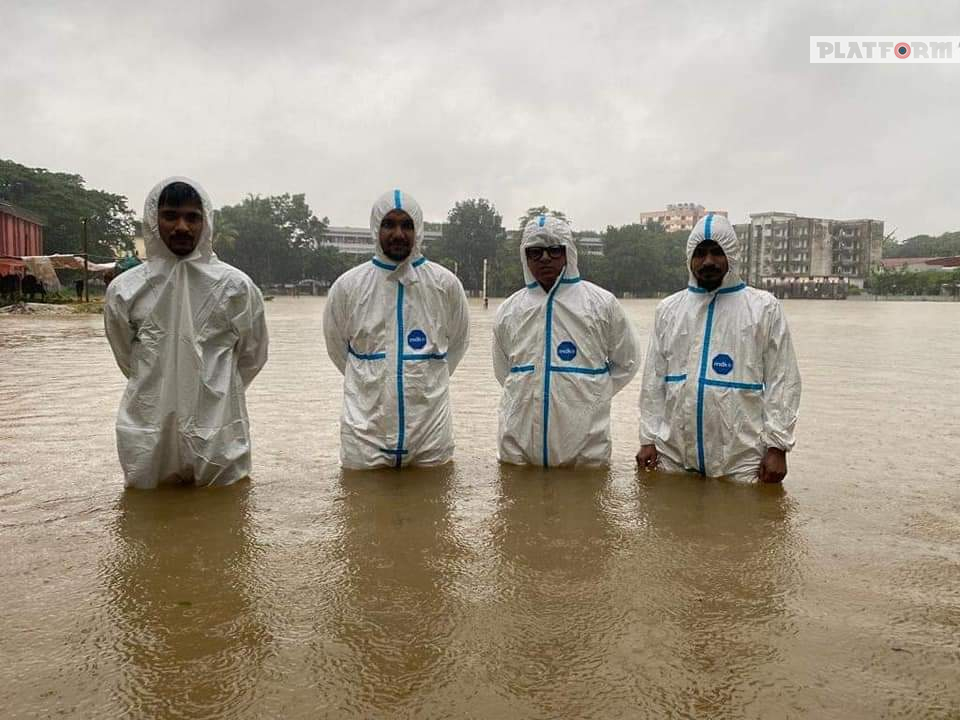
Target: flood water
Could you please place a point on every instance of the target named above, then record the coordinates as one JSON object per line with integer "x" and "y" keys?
{"x": 479, "y": 591}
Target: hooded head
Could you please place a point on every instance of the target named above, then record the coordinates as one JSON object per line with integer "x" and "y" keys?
{"x": 716, "y": 228}
{"x": 154, "y": 245}
{"x": 396, "y": 200}
{"x": 546, "y": 231}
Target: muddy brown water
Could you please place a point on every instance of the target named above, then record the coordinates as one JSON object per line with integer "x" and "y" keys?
{"x": 477, "y": 590}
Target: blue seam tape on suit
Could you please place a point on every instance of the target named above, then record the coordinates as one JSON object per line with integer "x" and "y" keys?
{"x": 708, "y": 328}
{"x": 366, "y": 356}
{"x": 425, "y": 356}
{"x": 582, "y": 370}
{"x": 400, "y": 408}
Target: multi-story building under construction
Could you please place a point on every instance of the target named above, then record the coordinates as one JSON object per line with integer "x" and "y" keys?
{"x": 782, "y": 247}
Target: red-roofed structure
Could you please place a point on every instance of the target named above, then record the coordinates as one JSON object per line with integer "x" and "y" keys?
{"x": 921, "y": 264}
{"x": 21, "y": 234}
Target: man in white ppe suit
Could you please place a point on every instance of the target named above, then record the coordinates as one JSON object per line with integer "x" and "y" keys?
{"x": 562, "y": 348}
{"x": 396, "y": 327}
{"x": 721, "y": 386}
{"x": 188, "y": 332}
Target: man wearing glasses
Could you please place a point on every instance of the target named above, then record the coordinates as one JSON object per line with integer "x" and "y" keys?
{"x": 562, "y": 348}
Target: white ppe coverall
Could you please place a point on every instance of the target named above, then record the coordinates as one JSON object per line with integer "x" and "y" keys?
{"x": 189, "y": 334}
{"x": 720, "y": 381}
{"x": 397, "y": 331}
{"x": 560, "y": 355}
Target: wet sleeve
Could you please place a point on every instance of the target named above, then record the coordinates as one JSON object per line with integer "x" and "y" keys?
{"x": 623, "y": 354}
{"x": 501, "y": 361}
{"x": 653, "y": 390}
{"x": 334, "y": 328}
{"x": 249, "y": 320}
{"x": 459, "y": 323}
{"x": 120, "y": 334}
{"x": 781, "y": 383}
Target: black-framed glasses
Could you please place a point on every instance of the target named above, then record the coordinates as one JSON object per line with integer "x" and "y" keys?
{"x": 554, "y": 251}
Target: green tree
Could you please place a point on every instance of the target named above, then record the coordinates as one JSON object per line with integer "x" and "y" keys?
{"x": 274, "y": 239}
{"x": 62, "y": 200}
{"x": 326, "y": 263}
{"x": 643, "y": 260}
{"x": 473, "y": 231}
{"x": 224, "y": 235}
{"x": 905, "y": 282}
{"x": 507, "y": 276}
{"x": 945, "y": 245}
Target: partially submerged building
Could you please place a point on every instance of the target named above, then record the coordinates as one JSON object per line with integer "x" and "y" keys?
{"x": 796, "y": 256}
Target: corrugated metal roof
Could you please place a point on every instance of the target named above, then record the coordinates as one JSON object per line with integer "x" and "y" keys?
{"x": 933, "y": 262}
{"x": 10, "y": 209}
{"x": 945, "y": 261}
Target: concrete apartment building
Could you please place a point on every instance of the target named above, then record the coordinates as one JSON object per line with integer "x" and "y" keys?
{"x": 782, "y": 246}
{"x": 678, "y": 216}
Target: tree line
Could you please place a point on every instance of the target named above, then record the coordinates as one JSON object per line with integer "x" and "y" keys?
{"x": 637, "y": 260}
{"x": 278, "y": 239}
{"x": 944, "y": 245}
{"x": 905, "y": 282}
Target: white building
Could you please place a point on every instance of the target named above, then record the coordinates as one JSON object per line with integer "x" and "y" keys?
{"x": 358, "y": 241}
{"x": 590, "y": 245}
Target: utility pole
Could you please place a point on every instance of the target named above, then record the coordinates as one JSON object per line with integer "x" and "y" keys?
{"x": 484, "y": 282}
{"x": 86, "y": 285}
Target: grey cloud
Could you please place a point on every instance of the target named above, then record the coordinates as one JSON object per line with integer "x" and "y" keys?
{"x": 601, "y": 110}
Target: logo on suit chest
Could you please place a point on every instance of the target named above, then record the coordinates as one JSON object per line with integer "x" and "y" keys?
{"x": 566, "y": 351}
{"x": 723, "y": 364}
{"x": 417, "y": 339}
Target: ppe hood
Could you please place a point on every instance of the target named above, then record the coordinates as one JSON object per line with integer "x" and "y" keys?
{"x": 544, "y": 231}
{"x": 716, "y": 228}
{"x": 396, "y": 200}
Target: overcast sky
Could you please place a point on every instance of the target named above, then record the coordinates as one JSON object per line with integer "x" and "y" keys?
{"x": 601, "y": 110}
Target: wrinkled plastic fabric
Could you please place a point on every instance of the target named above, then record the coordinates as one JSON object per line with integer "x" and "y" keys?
{"x": 560, "y": 356}
{"x": 42, "y": 268}
{"x": 397, "y": 332}
{"x": 190, "y": 335}
{"x": 720, "y": 382}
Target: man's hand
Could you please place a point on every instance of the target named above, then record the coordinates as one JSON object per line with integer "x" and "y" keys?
{"x": 773, "y": 467}
{"x": 647, "y": 457}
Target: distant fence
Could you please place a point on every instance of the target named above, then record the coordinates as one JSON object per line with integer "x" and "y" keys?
{"x": 811, "y": 288}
